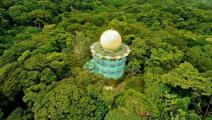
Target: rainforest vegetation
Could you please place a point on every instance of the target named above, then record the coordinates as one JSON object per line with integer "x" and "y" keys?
{"x": 45, "y": 43}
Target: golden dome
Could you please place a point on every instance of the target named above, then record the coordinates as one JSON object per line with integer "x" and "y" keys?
{"x": 110, "y": 40}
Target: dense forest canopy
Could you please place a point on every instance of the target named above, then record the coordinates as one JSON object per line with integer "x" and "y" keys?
{"x": 45, "y": 43}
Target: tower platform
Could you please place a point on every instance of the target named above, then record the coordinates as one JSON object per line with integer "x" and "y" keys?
{"x": 111, "y": 64}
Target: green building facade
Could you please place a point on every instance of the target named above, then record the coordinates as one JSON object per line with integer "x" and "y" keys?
{"x": 110, "y": 64}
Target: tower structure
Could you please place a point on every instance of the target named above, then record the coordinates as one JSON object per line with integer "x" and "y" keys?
{"x": 109, "y": 55}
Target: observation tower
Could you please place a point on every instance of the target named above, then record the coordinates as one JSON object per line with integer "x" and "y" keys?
{"x": 109, "y": 55}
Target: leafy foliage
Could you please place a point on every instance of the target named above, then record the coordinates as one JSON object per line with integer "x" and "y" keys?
{"x": 45, "y": 43}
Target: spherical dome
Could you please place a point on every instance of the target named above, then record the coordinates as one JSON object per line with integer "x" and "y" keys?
{"x": 110, "y": 40}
